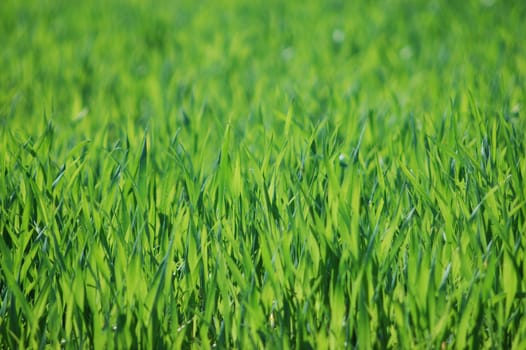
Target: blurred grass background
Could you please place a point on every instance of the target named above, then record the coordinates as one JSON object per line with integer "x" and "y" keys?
{"x": 140, "y": 63}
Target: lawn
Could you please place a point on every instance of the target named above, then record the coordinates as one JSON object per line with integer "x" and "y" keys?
{"x": 263, "y": 174}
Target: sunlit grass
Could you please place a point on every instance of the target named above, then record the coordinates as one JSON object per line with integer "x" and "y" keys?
{"x": 262, "y": 175}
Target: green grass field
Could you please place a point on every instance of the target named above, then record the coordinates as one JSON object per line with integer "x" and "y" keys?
{"x": 263, "y": 174}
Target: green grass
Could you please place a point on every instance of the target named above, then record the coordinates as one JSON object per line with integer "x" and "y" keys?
{"x": 272, "y": 174}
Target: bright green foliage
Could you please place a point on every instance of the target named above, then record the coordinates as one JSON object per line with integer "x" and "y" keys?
{"x": 262, "y": 174}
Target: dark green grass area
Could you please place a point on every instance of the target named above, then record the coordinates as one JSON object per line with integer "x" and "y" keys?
{"x": 266, "y": 174}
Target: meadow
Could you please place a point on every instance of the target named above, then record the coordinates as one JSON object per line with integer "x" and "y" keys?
{"x": 264, "y": 174}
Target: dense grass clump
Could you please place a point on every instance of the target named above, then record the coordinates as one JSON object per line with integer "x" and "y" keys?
{"x": 267, "y": 174}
